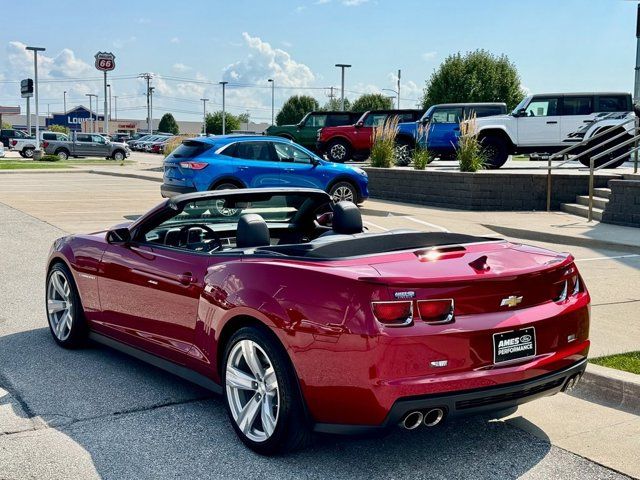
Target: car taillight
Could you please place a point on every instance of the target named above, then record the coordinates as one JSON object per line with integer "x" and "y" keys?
{"x": 14, "y": 143}
{"x": 568, "y": 287}
{"x": 393, "y": 314}
{"x": 436, "y": 311}
{"x": 45, "y": 144}
{"x": 193, "y": 165}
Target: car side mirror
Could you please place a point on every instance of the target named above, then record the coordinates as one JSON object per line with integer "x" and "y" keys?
{"x": 315, "y": 162}
{"x": 119, "y": 236}
{"x": 359, "y": 124}
{"x": 521, "y": 113}
{"x": 424, "y": 121}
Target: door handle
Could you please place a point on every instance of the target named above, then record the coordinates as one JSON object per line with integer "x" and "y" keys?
{"x": 552, "y": 122}
{"x": 242, "y": 168}
{"x": 588, "y": 121}
{"x": 186, "y": 278}
{"x": 289, "y": 169}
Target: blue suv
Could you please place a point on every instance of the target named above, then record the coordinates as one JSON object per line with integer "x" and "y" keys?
{"x": 239, "y": 161}
{"x": 441, "y": 124}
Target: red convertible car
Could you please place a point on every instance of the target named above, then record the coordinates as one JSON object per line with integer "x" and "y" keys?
{"x": 279, "y": 300}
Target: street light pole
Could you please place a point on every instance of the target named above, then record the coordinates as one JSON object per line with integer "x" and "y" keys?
{"x": 204, "y": 115}
{"x": 115, "y": 108}
{"x": 109, "y": 87}
{"x": 147, "y": 77}
{"x": 35, "y": 51}
{"x": 273, "y": 84}
{"x": 399, "y": 73}
{"x": 151, "y": 89}
{"x": 636, "y": 90}
{"x": 64, "y": 101}
{"x": 342, "y": 66}
{"x": 224, "y": 115}
{"x": 91, "y": 95}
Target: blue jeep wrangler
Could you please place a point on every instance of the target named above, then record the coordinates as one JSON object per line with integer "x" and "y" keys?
{"x": 440, "y": 128}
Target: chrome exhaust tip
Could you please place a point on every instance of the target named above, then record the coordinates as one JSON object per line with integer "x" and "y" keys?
{"x": 412, "y": 420}
{"x": 433, "y": 417}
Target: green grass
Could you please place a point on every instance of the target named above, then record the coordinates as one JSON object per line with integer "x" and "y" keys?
{"x": 629, "y": 362}
{"x": 11, "y": 164}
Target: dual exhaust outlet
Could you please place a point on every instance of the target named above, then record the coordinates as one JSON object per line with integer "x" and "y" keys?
{"x": 428, "y": 418}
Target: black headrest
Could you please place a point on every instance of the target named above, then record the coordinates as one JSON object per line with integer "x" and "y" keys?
{"x": 346, "y": 218}
{"x": 252, "y": 231}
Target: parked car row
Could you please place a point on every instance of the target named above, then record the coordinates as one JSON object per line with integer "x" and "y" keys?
{"x": 541, "y": 124}
{"x": 152, "y": 143}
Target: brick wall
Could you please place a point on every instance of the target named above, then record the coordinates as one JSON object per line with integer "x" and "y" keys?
{"x": 624, "y": 204}
{"x": 478, "y": 191}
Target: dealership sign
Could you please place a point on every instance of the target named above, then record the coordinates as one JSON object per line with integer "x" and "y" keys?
{"x": 105, "y": 61}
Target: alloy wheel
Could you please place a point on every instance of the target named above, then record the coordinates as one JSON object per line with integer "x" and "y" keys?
{"x": 252, "y": 390}
{"x": 118, "y": 156}
{"x": 338, "y": 151}
{"x": 342, "y": 194}
{"x": 59, "y": 305}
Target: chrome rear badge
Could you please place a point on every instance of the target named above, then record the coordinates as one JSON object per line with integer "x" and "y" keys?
{"x": 404, "y": 295}
{"x": 511, "y": 301}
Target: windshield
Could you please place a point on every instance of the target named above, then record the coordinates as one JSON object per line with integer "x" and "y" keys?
{"x": 525, "y": 101}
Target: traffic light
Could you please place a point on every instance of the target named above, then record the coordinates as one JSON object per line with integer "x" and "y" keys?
{"x": 26, "y": 87}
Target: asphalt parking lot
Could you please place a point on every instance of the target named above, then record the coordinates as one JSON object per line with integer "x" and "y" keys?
{"x": 97, "y": 413}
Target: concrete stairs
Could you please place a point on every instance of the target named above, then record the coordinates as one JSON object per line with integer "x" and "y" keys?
{"x": 581, "y": 207}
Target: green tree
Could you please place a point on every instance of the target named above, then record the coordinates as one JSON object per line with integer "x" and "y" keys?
{"x": 477, "y": 76}
{"x": 214, "y": 122}
{"x": 168, "y": 124}
{"x": 372, "y": 101}
{"x": 6, "y": 126}
{"x": 60, "y": 129}
{"x": 334, "y": 105}
{"x": 295, "y": 108}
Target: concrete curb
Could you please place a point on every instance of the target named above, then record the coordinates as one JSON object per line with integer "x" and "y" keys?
{"x": 128, "y": 175}
{"x": 610, "y": 387}
{"x": 562, "y": 239}
{"x": 40, "y": 170}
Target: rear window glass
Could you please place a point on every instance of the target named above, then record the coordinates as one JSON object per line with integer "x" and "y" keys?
{"x": 577, "y": 106}
{"x": 337, "y": 120}
{"x": 190, "y": 149}
{"x": 487, "y": 111}
{"x": 612, "y": 103}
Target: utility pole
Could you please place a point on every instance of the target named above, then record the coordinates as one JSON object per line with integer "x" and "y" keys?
{"x": 636, "y": 90}
{"x": 248, "y": 116}
{"x": 115, "y": 108}
{"x": 273, "y": 86}
{"x": 29, "y": 115}
{"x": 64, "y": 101}
{"x": 109, "y": 87}
{"x": 91, "y": 95}
{"x": 35, "y": 51}
{"x": 224, "y": 114}
{"x": 147, "y": 77}
{"x": 151, "y": 89}
{"x": 204, "y": 115}
{"x": 105, "y": 128}
{"x": 342, "y": 66}
{"x": 399, "y": 72}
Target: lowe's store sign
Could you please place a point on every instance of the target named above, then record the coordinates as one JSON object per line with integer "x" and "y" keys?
{"x": 73, "y": 118}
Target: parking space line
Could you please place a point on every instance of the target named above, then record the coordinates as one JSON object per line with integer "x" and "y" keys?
{"x": 375, "y": 226}
{"x": 632, "y": 255}
{"x": 433, "y": 225}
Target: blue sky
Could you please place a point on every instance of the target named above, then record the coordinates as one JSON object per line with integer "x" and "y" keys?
{"x": 561, "y": 45}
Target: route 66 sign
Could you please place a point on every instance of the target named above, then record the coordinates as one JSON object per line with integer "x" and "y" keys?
{"x": 105, "y": 61}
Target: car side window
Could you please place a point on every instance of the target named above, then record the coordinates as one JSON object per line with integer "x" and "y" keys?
{"x": 289, "y": 153}
{"x": 49, "y": 136}
{"x": 612, "y": 103}
{"x": 542, "y": 107}
{"x": 447, "y": 115}
{"x": 98, "y": 139}
{"x": 375, "y": 119}
{"x": 337, "y": 120}
{"x": 316, "y": 121}
{"x": 83, "y": 137}
{"x": 254, "y": 151}
{"x": 577, "y": 106}
{"x": 486, "y": 111}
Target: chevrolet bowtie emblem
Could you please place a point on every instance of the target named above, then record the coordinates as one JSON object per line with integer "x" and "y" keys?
{"x": 511, "y": 301}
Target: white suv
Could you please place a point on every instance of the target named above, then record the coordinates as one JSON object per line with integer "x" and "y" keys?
{"x": 540, "y": 123}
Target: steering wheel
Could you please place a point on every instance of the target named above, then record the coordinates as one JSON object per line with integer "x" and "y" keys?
{"x": 211, "y": 246}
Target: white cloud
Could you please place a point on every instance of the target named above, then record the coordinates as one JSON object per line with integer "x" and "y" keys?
{"x": 174, "y": 40}
{"x": 300, "y": 9}
{"x": 322, "y": 2}
{"x": 181, "y": 67}
{"x": 353, "y": 3}
{"x": 428, "y": 56}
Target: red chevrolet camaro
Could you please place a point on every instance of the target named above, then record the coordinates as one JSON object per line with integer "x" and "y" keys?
{"x": 279, "y": 300}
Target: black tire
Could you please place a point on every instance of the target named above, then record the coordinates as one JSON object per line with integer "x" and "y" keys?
{"x": 28, "y": 152}
{"x": 344, "y": 191}
{"x": 225, "y": 186}
{"x": 339, "y": 150}
{"x": 62, "y": 154}
{"x": 404, "y": 151}
{"x": 586, "y": 161}
{"x": 495, "y": 151}
{"x": 292, "y": 430}
{"x": 118, "y": 155}
{"x": 79, "y": 330}
{"x": 22, "y": 154}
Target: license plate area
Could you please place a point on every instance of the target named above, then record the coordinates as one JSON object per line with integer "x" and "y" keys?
{"x": 514, "y": 345}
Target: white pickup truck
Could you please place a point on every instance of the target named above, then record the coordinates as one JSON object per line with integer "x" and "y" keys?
{"x": 26, "y": 146}
{"x": 541, "y": 123}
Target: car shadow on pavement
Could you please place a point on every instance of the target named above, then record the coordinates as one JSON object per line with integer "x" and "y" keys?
{"x": 117, "y": 417}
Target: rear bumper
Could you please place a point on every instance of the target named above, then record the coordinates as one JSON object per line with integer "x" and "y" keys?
{"x": 168, "y": 191}
{"x": 468, "y": 402}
